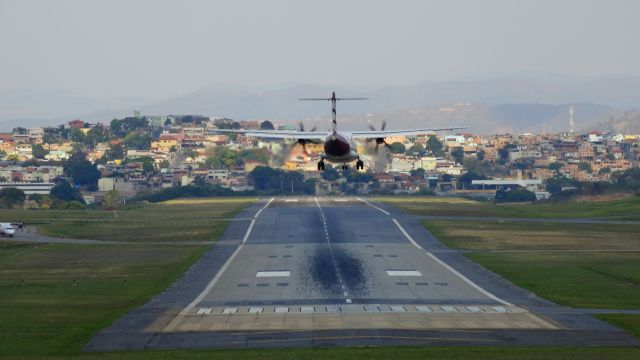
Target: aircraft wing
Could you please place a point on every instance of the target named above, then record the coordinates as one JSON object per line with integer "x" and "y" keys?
{"x": 277, "y": 134}
{"x": 374, "y": 134}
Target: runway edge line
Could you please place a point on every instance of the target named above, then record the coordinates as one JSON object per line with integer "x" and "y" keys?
{"x": 224, "y": 267}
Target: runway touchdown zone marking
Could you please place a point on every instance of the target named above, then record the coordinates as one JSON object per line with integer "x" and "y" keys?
{"x": 224, "y": 267}
{"x": 279, "y": 273}
{"x": 403, "y": 273}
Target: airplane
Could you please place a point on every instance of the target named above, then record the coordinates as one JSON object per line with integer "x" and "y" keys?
{"x": 339, "y": 146}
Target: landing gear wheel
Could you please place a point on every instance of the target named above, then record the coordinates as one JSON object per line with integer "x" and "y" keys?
{"x": 320, "y": 165}
{"x": 359, "y": 165}
{"x": 345, "y": 167}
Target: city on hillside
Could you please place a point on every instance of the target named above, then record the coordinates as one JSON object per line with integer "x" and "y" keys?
{"x": 79, "y": 163}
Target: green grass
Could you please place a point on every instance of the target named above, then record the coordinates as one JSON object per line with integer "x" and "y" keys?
{"x": 56, "y": 297}
{"x": 579, "y": 279}
{"x": 175, "y": 220}
{"x": 623, "y": 209}
{"x": 444, "y": 353}
{"x": 629, "y": 322}
{"x": 587, "y": 280}
{"x": 512, "y": 235}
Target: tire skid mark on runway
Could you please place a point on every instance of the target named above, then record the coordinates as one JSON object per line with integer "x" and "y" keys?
{"x": 318, "y": 261}
{"x": 224, "y": 267}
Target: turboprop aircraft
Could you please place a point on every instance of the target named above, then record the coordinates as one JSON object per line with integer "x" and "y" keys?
{"x": 339, "y": 146}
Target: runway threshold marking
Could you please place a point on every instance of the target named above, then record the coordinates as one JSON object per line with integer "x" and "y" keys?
{"x": 224, "y": 267}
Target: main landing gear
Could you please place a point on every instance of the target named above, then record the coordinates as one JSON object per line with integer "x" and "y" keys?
{"x": 359, "y": 165}
{"x": 320, "y": 165}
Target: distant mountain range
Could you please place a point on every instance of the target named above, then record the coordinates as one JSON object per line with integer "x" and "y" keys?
{"x": 496, "y": 105}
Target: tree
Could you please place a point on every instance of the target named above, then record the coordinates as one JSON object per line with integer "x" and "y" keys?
{"x": 97, "y": 134}
{"x": 515, "y": 195}
{"x": 78, "y": 136}
{"x": 10, "y": 197}
{"x": 137, "y": 140}
{"x": 82, "y": 171}
{"x": 266, "y": 125}
{"x": 469, "y": 176}
{"x": 111, "y": 200}
{"x": 38, "y": 151}
{"x": 116, "y": 151}
{"x": 147, "y": 165}
{"x": 418, "y": 172}
{"x": 271, "y": 180}
{"x": 49, "y": 138}
{"x": 397, "y": 148}
{"x": 555, "y": 166}
{"x": 330, "y": 173}
{"x": 120, "y": 128}
{"x": 585, "y": 166}
{"x": 434, "y": 145}
{"x": 415, "y": 149}
{"x": 504, "y": 152}
{"x": 458, "y": 155}
{"x": 65, "y": 192}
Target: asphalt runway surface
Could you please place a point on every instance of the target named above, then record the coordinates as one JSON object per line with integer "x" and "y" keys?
{"x": 310, "y": 271}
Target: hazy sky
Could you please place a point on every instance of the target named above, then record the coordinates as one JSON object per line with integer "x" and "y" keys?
{"x": 157, "y": 48}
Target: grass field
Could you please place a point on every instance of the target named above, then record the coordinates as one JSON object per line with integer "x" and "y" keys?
{"x": 623, "y": 209}
{"x": 580, "y": 279}
{"x": 438, "y": 353}
{"x": 56, "y": 297}
{"x": 175, "y": 220}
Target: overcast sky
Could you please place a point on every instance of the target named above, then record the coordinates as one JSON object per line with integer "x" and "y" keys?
{"x": 153, "y": 49}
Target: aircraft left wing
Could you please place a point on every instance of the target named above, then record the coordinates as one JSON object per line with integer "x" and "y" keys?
{"x": 375, "y": 134}
{"x": 277, "y": 134}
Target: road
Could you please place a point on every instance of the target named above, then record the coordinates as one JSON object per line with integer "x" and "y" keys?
{"x": 343, "y": 271}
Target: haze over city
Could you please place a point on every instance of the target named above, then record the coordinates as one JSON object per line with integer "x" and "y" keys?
{"x": 102, "y": 59}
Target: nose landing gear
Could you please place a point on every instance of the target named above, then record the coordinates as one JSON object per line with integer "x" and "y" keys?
{"x": 359, "y": 165}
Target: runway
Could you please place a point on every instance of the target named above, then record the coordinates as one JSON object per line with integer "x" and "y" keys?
{"x": 329, "y": 266}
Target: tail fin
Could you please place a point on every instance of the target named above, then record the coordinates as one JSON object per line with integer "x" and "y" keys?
{"x": 334, "y": 99}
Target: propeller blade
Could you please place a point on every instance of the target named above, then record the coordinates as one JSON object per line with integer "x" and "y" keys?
{"x": 384, "y": 125}
{"x": 371, "y": 127}
{"x": 301, "y": 126}
{"x": 377, "y": 147}
{"x": 314, "y": 128}
{"x": 304, "y": 148}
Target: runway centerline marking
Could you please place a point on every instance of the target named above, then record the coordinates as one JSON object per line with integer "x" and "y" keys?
{"x": 224, "y": 267}
{"x": 333, "y": 257}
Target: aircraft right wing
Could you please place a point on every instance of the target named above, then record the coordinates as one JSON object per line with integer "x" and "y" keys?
{"x": 376, "y": 134}
{"x": 276, "y": 134}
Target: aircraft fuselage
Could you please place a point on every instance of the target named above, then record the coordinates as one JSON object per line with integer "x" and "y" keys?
{"x": 339, "y": 148}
